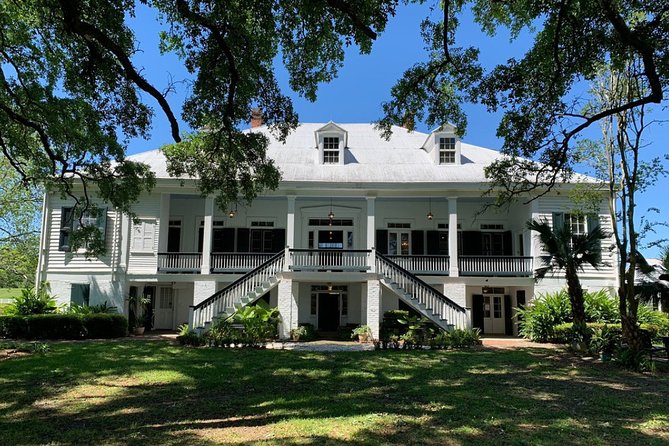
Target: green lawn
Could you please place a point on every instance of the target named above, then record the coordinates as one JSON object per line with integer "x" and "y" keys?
{"x": 9, "y": 293}
{"x": 149, "y": 393}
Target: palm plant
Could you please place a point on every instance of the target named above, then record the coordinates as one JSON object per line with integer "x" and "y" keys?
{"x": 569, "y": 252}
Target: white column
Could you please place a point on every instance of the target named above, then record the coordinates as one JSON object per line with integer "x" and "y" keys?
{"x": 535, "y": 244}
{"x": 290, "y": 233}
{"x": 164, "y": 229}
{"x": 290, "y": 222}
{"x": 371, "y": 231}
{"x": 453, "y": 269}
{"x": 287, "y": 303}
{"x": 374, "y": 307}
{"x": 208, "y": 229}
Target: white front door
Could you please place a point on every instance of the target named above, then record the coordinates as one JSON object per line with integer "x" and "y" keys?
{"x": 493, "y": 314}
{"x": 164, "y": 313}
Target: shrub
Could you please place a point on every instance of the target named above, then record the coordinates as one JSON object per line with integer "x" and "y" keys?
{"x": 600, "y": 307}
{"x": 105, "y": 325}
{"x": 32, "y": 302}
{"x": 63, "y": 326}
{"x": 459, "y": 338}
{"x": 190, "y": 337}
{"x": 536, "y": 321}
{"x": 539, "y": 320}
{"x": 103, "y": 308}
{"x": 658, "y": 320}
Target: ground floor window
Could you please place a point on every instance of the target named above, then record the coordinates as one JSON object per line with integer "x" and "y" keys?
{"x": 80, "y": 294}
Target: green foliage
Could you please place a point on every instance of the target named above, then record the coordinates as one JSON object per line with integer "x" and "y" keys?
{"x": 63, "y": 326}
{"x": 252, "y": 325}
{"x": 605, "y": 340}
{"x": 190, "y": 337}
{"x": 541, "y": 320}
{"x": 33, "y": 302}
{"x": 601, "y": 307}
{"x": 304, "y": 332}
{"x": 461, "y": 338}
{"x": 137, "y": 311}
{"x": 536, "y": 321}
{"x": 104, "y": 325}
{"x": 361, "y": 333}
{"x": 91, "y": 309}
{"x": 633, "y": 359}
{"x": 28, "y": 347}
{"x": 648, "y": 316}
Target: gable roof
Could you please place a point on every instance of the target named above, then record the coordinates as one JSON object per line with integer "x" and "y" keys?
{"x": 369, "y": 158}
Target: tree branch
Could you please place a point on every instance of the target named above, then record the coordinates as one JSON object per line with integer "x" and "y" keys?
{"x": 349, "y": 11}
{"x": 90, "y": 33}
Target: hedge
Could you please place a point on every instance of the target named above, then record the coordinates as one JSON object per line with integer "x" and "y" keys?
{"x": 562, "y": 333}
{"x": 64, "y": 326}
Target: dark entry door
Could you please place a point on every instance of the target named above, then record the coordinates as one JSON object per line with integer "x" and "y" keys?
{"x": 328, "y": 311}
{"x": 477, "y": 312}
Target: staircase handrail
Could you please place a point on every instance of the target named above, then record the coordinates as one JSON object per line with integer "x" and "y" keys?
{"x": 211, "y": 307}
{"x": 420, "y": 281}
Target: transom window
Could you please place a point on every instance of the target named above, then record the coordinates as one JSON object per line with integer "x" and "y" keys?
{"x": 446, "y": 150}
{"x": 330, "y": 150}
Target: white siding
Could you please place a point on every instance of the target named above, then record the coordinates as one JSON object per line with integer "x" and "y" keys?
{"x": 61, "y": 261}
{"x": 549, "y": 204}
{"x": 147, "y": 210}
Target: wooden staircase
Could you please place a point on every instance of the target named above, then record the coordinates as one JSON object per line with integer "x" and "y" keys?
{"x": 420, "y": 296}
{"x": 243, "y": 291}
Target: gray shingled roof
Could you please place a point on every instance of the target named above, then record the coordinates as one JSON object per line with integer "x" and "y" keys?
{"x": 368, "y": 159}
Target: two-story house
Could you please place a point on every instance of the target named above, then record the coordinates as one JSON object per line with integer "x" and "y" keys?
{"x": 359, "y": 225}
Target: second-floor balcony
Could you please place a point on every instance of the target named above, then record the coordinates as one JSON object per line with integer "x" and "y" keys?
{"x": 351, "y": 260}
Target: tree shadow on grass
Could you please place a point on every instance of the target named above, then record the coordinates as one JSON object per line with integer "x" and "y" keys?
{"x": 134, "y": 392}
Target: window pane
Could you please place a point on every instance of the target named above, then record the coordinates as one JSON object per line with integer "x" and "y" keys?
{"x": 405, "y": 243}
{"x": 392, "y": 243}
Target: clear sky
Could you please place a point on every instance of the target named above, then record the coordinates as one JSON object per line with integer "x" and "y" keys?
{"x": 364, "y": 84}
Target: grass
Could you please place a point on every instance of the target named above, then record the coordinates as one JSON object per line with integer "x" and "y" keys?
{"x": 9, "y": 293}
{"x": 142, "y": 393}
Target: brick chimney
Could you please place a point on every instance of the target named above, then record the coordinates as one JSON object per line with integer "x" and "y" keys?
{"x": 256, "y": 118}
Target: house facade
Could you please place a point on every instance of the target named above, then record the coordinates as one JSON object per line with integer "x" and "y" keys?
{"x": 359, "y": 225}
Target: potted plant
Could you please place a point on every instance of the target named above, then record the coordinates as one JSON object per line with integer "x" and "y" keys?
{"x": 363, "y": 333}
{"x": 138, "y": 316}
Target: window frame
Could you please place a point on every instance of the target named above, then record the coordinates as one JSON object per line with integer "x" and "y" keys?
{"x": 70, "y": 224}
{"x": 447, "y": 147}
{"x": 331, "y": 155}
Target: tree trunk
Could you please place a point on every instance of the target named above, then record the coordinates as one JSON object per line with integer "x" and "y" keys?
{"x": 577, "y": 305}
{"x": 632, "y": 333}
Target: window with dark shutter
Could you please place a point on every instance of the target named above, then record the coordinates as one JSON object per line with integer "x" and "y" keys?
{"x": 417, "y": 243}
{"x": 382, "y": 241}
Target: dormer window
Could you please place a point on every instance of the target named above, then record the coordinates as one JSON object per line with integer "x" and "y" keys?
{"x": 443, "y": 145}
{"x": 330, "y": 150}
{"x": 331, "y": 142}
{"x": 447, "y": 150}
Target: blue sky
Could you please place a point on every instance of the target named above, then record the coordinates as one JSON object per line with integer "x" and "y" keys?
{"x": 364, "y": 84}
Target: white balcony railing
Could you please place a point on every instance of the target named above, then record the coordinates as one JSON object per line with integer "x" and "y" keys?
{"x": 330, "y": 260}
{"x": 234, "y": 262}
{"x": 179, "y": 262}
{"x": 422, "y": 264}
{"x": 495, "y": 266}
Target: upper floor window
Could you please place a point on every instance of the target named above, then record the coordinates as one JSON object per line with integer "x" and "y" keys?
{"x": 447, "y": 150}
{"x": 577, "y": 222}
{"x": 330, "y": 150}
{"x": 69, "y": 223}
{"x": 331, "y": 141}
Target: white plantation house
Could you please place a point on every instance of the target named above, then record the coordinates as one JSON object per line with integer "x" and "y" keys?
{"x": 359, "y": 225}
